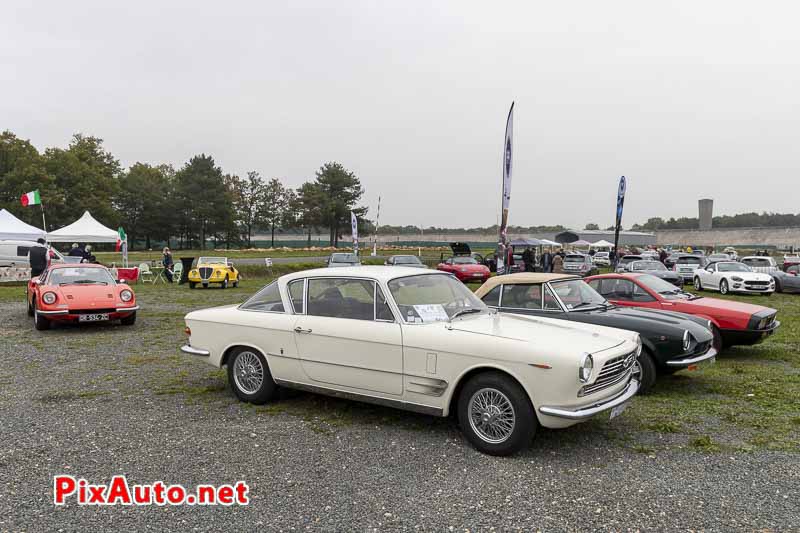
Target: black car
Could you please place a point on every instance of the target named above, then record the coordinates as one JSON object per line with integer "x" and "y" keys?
{"x": 670, "y": 341}
{"x": 404, "y": 260}
{"x": 657, "y": 269}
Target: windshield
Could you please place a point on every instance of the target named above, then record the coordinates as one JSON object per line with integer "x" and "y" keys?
{"x": 464, "y": 260}
{"x": 406, "y": 260}
{"x": 433, "y": 298}
{"x": 575, "y": 259}
{"x": 601, "y": 254}
{"x": 628, "y": 258}
{"x": 664, "y": 288}
{"x": 718, "y": 257}
{"x": 212, "y": 261}
{"x": 344, "y": 258}
{"x": 648, "y": 265}
{"x": 78, "y": 276}
{"x": 757, "y": 262}
{"x": 732, "y": 267}
{"x": 577, "y": 294}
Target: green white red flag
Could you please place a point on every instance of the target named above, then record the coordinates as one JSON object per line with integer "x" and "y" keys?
{"x": 121, "y": 239}
{"x": 31, "y": 198}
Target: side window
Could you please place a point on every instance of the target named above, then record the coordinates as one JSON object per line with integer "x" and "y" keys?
{"x": 595, "y": 284}
{"x": 382, "y": 309}
{"x": 341, "y": 298}
{"x": 550, "y": 302}
{"x": 267, "y": 299}
{"x": 522, "y": 296}
{"x": 492, "y": 297}
{"x": 621, "y": 289}
{"x": 296, "y": 294}
{"x": 641, "y": 295}
{"x": 23, "y": 251}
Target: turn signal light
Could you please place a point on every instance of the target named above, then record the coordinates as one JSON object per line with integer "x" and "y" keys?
{"x": 187, "y": 330}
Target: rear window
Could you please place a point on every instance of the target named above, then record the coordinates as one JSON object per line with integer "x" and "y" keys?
{"x": 575, "y": 259}
{"x": 689, "y": 260}
{"x": 757, "y": 262}
{"x": 23, "y": 251}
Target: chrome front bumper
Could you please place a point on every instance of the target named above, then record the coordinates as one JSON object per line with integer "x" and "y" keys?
{"x": 85, "y": 311}
{"x": 186, "y": 348}
{"x": 710, "y": 354}
{"x": 589, "y": 411}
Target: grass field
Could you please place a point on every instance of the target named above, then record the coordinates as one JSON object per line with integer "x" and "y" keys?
{"x": 748, "y": 400}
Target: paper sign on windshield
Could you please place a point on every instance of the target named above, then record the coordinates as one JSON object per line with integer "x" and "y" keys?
{"x": 431, "y": 312}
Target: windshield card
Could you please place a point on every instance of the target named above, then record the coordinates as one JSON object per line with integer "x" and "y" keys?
{"x": 431, "y": 312}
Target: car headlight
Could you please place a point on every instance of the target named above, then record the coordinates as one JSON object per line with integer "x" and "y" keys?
{"x": 638, "y": 345}
{"x": 687, "y": 341}
{"x": 126, "y": 295}
{"x": 737, "y": 278}
{"x": 710, "y": 326}
{"x": 49, "y": 298}
{"x": 585, "y": 370}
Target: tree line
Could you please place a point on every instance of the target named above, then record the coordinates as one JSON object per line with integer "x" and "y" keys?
{"x": 189, "y": 206}
{"x": 741, "y": 220}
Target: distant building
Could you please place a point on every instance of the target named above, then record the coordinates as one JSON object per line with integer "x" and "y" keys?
{"x": 706, "y": 213}
{"x": 627, "y": 238}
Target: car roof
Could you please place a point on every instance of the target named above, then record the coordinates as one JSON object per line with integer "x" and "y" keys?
{"x": 377, "y": 272}
{"x": 521, "y": 278}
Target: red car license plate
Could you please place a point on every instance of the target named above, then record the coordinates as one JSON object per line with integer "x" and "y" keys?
{"x": 97, "y": 317}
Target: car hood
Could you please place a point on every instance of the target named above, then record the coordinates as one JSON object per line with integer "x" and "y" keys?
{"x": 749, "y": 276}
{"x": 642, "y": 319}
{"x": 548, "y": 334}
{"x": 713, "y": 306}
{"x": 86, "y": 294}
{"x": 663, "y": 274}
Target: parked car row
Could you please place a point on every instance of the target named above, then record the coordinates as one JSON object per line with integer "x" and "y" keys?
{"x": 526, "y": 350}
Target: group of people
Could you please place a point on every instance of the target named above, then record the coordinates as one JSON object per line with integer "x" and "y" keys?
{"x": 547, "y": 261}
{"x": 84, "y": 252}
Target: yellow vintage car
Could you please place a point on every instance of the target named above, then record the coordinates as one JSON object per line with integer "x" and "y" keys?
{"x": 213, "y": 270}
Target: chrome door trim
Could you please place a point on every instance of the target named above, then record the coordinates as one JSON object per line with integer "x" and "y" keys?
{"x": 377, "y": 400}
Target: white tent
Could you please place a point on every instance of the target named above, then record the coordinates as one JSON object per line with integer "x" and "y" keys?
{"x": 13, "y": 229}
{"x": 85, "y": 229}
{"x": 603, "y": 244}
{"x": 548, "y": 242}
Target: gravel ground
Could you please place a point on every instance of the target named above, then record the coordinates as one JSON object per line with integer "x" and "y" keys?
{"x": 99, "y": 401}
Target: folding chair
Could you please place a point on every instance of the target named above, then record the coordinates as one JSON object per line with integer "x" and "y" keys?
{"x": 177, "y": 272}
{"x": 145, "y": 274}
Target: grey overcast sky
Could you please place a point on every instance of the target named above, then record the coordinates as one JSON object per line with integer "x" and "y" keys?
{"x": 687, "y": 99}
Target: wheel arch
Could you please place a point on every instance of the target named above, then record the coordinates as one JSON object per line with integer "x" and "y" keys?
{"x": 451, "y": 403}
{"x": 226, "y": 353}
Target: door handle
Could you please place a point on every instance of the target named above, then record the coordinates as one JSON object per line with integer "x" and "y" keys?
{"x": 298, "y": 329}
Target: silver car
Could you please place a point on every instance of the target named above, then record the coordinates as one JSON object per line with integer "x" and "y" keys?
{"x": 346, "y": 259}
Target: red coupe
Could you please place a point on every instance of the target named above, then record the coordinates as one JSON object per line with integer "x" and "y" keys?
{"x": 734, "y": 323}
{"x": 465, "y": 268}
{"x": 79, "y": 293}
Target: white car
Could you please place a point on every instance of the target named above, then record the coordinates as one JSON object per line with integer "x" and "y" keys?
{"x": 418, "y": 340}
{"x": 601, "y": 259}
{"x": 732, "y": 276}
{"x": 17, "y": 253}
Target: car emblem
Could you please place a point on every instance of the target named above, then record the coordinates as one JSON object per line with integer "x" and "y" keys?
{"x": 629, "y": 360}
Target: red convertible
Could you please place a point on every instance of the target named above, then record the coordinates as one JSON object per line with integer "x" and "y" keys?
{"x": 734, "y": 323}
{"x": 465, "y": 268}
{"x": 79, "y": 293}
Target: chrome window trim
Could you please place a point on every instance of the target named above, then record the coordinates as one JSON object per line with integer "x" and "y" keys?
{"x": 289, "y": 294}
{"x": 275, "y": 282}
{"x": 358, "y": 278}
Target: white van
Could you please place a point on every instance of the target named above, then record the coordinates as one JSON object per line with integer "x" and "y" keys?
{"x": 17, "y": 253}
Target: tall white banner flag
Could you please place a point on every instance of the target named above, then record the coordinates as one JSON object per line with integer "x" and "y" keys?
{"x": 508, "y": 149}
{"x": 354, "y": 228}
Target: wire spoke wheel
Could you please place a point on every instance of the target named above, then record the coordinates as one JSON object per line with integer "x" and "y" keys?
{"x": 491, "y": 415}
{"x": 248, "y": 373}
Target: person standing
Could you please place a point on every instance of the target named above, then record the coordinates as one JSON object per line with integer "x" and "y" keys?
{"x": 558, "y": 264}
{"x": 168, "y": 264}
{"x": 75, "y": 250}
{"x": 39, "y": 258}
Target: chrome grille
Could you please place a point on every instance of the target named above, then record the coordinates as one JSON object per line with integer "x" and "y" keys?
{"x": 613, "y": 371}
{"x": 205, "y": 272}
{"x": 756, "y": 283}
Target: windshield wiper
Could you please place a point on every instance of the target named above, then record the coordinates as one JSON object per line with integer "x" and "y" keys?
{"x": 581, "y": 305}
{"x": 83, "y": 282}
{"x": 465, "y": 312}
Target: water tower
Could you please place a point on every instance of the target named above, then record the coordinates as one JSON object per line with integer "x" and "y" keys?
{"x": 706, "y": 207}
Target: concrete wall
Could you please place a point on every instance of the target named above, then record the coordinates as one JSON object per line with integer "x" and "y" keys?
{"x": 779, "y": 237}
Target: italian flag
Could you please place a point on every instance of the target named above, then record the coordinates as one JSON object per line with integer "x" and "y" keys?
{"x": 122, "y": 238}
{"x": 31, "y": 198}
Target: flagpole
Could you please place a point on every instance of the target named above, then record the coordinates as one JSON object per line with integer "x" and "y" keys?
{"x": 44, "y": 223}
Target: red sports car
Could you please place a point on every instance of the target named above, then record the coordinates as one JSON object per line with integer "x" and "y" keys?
{"x": 734, "y": 323}
{"x": 79, "y": 293}
{"x": 465, "y": 268}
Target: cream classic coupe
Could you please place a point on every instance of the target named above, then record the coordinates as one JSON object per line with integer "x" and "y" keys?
{"x": 421, "y": 341}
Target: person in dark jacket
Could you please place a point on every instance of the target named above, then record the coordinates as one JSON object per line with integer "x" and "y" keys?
{"x": 39, "y": 258}
{"x": 168, "y": 263}
{"x": 76, "y": 251}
